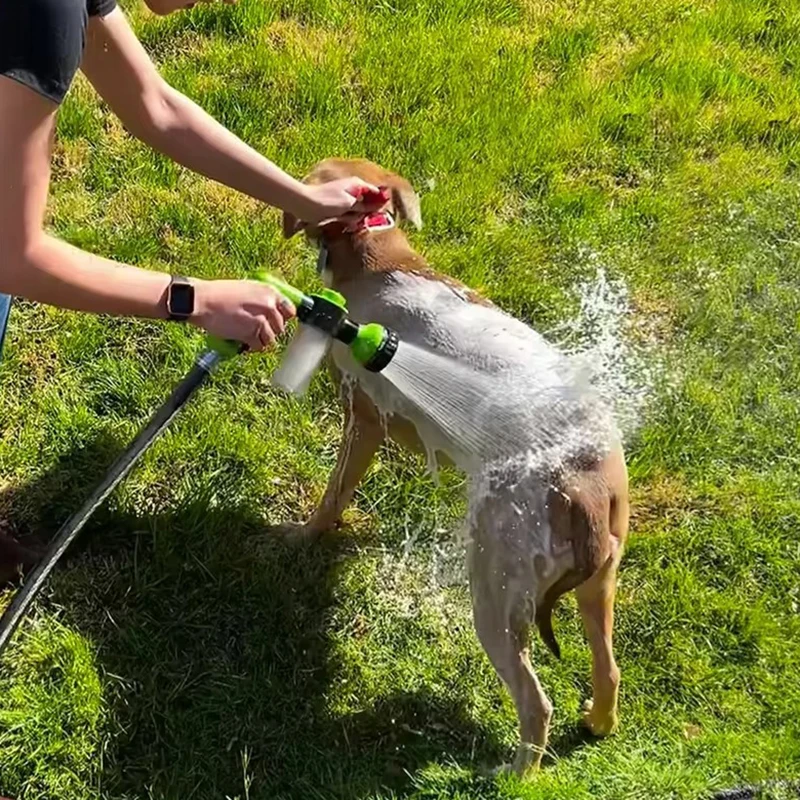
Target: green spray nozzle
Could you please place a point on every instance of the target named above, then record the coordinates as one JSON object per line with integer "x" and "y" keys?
{"x": 372, "y": 345}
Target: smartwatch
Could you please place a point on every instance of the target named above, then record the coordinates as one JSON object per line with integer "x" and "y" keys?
{"x": 180, "y": 298}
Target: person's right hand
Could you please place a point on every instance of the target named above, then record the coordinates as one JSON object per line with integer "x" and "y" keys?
{"x": 243, "y": 311}
{"x": 340, "y": 199}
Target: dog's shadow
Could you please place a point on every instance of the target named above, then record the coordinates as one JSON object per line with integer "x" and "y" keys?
{"x": 214, "y": 640}
{"x": 570, "y": 740}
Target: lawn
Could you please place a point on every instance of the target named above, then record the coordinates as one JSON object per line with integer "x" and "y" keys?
{"x": 183, "y": 651}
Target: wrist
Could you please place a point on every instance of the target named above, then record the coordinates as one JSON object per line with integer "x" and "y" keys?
{"x": 202, "y": 302}
{"x": 300, "y": 201}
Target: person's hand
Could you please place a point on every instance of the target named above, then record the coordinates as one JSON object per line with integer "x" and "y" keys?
{"x": 334, "y": 200}
{"x": 243, "y": 311}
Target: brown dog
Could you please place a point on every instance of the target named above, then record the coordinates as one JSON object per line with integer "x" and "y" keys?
{"x": 536, "y": 531}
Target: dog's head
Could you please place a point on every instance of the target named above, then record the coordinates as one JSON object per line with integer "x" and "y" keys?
{"x": 404, "y": 203}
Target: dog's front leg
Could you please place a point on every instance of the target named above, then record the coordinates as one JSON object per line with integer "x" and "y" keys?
{"x": 363, "y": 435}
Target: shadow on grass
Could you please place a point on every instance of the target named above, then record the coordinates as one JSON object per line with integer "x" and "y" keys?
{"x": 213, "y": 641}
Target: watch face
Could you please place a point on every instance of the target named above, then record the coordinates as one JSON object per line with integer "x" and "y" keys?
{"x": 181, "y": 299}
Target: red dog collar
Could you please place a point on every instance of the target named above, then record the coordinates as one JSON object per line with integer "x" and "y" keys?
{"x": 373, "y": 221}
{"x": 382, "y": 221}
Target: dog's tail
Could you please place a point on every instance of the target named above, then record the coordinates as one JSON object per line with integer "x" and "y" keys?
{"x": 544, "y": 611}
{"x": 590, "y": 531}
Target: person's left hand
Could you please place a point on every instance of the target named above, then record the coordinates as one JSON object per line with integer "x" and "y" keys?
{"x": 338, "y": 199}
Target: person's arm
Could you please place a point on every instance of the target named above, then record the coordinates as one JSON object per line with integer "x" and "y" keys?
{"x": 121, "y": 71}
{"x": 37, "y": 266}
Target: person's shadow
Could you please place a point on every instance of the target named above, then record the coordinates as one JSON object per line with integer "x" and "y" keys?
{"x": 217, "y": 653}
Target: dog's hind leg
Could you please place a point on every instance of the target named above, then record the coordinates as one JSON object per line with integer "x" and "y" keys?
{"x": 362, "y": 436}
{"x": 596, "y": 603}
{"x": 503, "y": 617}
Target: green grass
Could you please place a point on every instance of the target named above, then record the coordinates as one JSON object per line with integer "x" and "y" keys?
{"x": 184, "y": 653}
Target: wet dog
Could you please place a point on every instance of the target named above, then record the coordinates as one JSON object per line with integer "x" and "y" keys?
{"x": 538, "y": 527}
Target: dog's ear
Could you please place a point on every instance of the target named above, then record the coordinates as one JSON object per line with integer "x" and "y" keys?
{"x": 405, "y": 201}
{"x": 291, "y": 225}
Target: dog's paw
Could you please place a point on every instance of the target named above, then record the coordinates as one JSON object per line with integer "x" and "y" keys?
{"x": 599, "y": 724}
{"x": 527, "y": 760}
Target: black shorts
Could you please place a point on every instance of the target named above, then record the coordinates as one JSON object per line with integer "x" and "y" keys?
{"x": 42, "y": 41}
